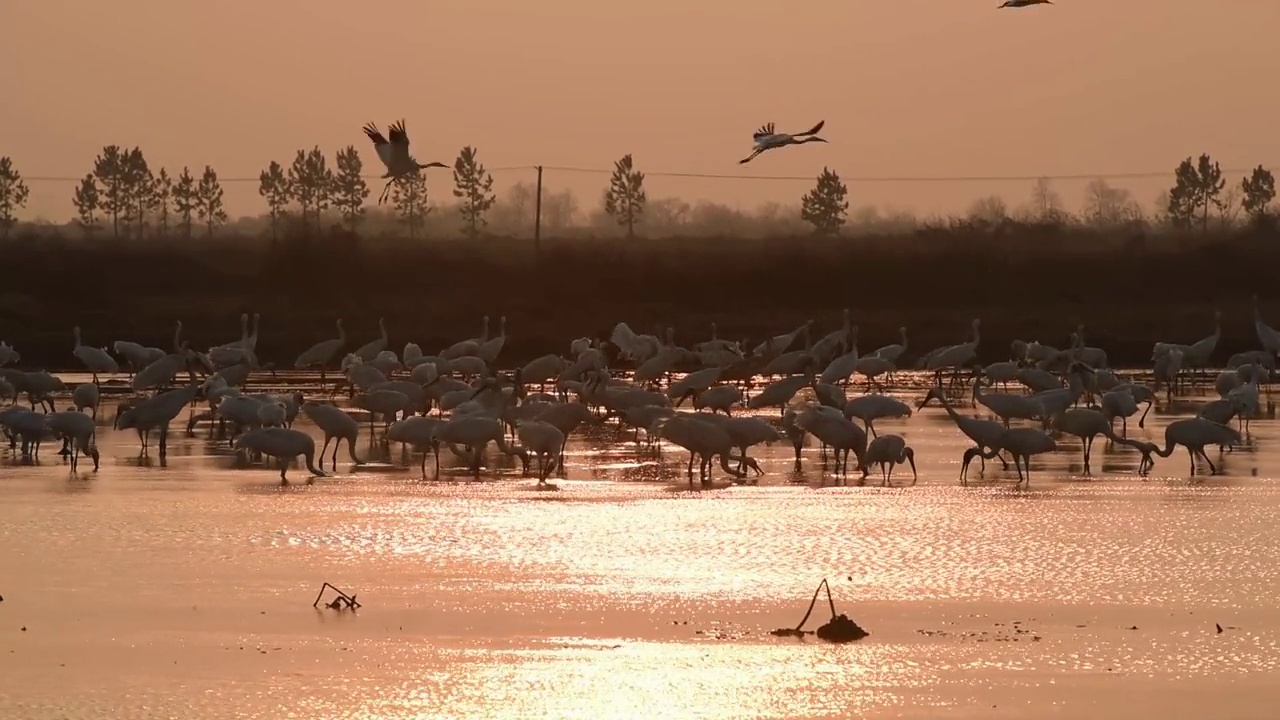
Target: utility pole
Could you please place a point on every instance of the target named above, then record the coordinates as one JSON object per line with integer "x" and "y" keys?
{"x": 537, "y": 220}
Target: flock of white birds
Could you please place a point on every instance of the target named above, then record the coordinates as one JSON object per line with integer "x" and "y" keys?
{"x": 458, "y": 399}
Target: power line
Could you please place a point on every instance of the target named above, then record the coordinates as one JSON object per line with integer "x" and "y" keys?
{"x": 47, "y": 178}
{"x": 805, "y": 178}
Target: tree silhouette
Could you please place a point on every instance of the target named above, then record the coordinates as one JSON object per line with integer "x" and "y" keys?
{"x": 86, "y": 201}
{"x": 1107, "y": 206}
{"x": 558, "y": 209}
{"x": 473, "y": 185}
{"x": 1046, "y": 203}
{"x": 625, "y": 198}
{"x": 1196, "y": 187}
{"x": 989, "y": 210}
{"x": 349, "y": 189}
{"x": 311, "y": 184}
{"x": 209, "y": 201}
{"x": 825, "y": 206}
{"x": 274, "y": 186}
{"x": 138, "y": 185}
{"x": 161, "y": 196}
{"x": 409, "y": 197}
{"x": 1259, "y": 190}
{"x": 185, "y": 201}
{"x": 112, "y": 179}
{"x": 13, "y": 194}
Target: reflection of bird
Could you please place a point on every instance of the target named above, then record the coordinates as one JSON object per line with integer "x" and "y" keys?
{"x": 1024, "y": 3}
{"x": 395, "y": 155}
{"x": 766, "y": 139}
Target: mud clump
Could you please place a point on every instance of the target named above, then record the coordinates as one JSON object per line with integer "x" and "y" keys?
{"x": 841, "y": 629}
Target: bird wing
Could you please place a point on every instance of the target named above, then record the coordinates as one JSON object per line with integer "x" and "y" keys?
{"x": 400, "y": 137}
{"x": 765, "y": 131}
{"x": 813, "y": 130}
{"x": 379, "y": 143}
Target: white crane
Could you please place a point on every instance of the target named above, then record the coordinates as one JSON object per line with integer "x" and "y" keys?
{"x": 284, "y": 445}
{"x": 395, "y": 155}
{"x": 1193, "y": 434}
{"x": 368, "y": 351}
{"x": 1022, "y": 443}
{"x": 335, "y": 424}
{"x": 767, "y": 139}
{"x": 322, "y": 353}
{"x": 1086, "y": 424}
{"x": 418, "y": 432}
{"x": 888, "y": 451}
{"x": 96, "y": 360}
{"x": 156, "y": 412}
{"x": 78, "y": 430}
{"x": 8, "y": 354}
{"x": 545, "y": 441}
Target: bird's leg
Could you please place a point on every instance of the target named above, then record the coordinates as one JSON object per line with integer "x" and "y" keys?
{"x": 1213, "y": 470}
{"x": 323, "y": 449}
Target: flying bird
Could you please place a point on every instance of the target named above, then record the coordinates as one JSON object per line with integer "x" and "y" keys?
{"x": 1024, "y": 3}
{"x": 766, "y": 139}
{"x": 395, "y": 155}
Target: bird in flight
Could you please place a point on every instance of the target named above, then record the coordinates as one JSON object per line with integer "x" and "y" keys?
{"x": 1024, "y": 3}
{"x": 766, "y": 139}
{"x": 395, "y": 155}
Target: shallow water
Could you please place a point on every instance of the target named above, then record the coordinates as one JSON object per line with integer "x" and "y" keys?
{"x": 181, "y": 591}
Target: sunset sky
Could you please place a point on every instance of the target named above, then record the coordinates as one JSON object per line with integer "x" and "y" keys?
{"x": 907, "y": 88}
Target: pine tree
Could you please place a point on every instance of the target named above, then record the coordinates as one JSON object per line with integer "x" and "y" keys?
{"x": 1259, "y": 190}
{"x": 311, "y": 184}
{"x": 625, "y": 198}
{"x": 209, "y": 201}
{"x": 86, "y": 201}
{"x": 825, "y": 205}
{"x": 13, "y": 195}
{"x": 474, "y": 186}
{"x": 1197, "y": 187}
{"x": 139, "y": 184}
{"x": 185, "y": 201}
{"x": 274, "y": 186}
{"x": 113, "y": 188}
{"x": 349, "y": 189}
{"x": 161, "y": 196}
{"x": 409, "y": 197}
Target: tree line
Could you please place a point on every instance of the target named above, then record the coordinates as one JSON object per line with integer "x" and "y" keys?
{"x": 123, "y": 194}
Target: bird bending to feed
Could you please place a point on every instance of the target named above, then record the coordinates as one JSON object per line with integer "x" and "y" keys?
{"x": 1023, "y": 3}
{"x": 766, "y": 139}
{"x": 395, "y": 155}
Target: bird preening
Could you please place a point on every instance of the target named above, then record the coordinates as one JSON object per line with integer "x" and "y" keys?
{"x": 1024, "y": 3}
{"x": 395, "y": 155}
{"x": 766, "y": 139}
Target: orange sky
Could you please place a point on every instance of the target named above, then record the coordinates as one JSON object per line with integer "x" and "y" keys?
{"x": 907, "y": 88}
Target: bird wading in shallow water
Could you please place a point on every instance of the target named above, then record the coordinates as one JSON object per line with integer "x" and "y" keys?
{"x": 766, "y": 139}
{"x": 395, "y": 155}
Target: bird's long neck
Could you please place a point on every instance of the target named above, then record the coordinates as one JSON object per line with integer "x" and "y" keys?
{"x": 309, "y": 456}
{"x": 725, "y": 457}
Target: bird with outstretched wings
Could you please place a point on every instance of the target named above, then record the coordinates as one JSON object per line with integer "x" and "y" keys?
{"x": 765, "y": 131}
